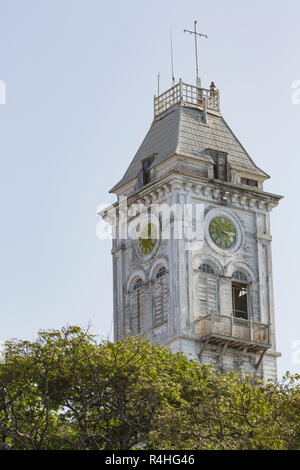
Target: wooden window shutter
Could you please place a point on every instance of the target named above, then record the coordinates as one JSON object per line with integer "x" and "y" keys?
{"x": 161, "y": 299}
{"x": 137, "y": 310}
{"x": 206, "y": 298}
{"x": 212, "y": 294}
{"x": 201, "y": 294}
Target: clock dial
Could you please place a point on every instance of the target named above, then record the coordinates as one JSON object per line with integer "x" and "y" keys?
{"x": 222, "y": 232}
{"x": 148, "y": 239}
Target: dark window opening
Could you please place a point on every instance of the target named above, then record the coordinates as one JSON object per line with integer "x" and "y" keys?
{"x": 206, "y": 268}
{"x": 221, "y": 167}
{"x": 248, "y": 182}
{"x": 239, "y": 276}
{"x": 161, "y": 272}
{"x": 240, "y": 300}
{"x": 138, "y": 284}
{"x": 146, "y": 170}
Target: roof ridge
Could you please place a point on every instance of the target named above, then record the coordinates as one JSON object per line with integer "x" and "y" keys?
{"x": 238, "y": 141}
{"x": 162, "y": 138}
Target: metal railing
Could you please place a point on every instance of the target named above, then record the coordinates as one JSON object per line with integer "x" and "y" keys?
{"x": 233, "y": 327}
{"x": 187, "y": 94}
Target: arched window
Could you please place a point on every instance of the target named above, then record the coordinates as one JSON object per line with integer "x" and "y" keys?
{"x": 206, "y": 268}
{"x": 206, "y": 290}
{"x": 137, "y": 307}
{"x": 161, "y": 272}
{"x": 161, "y": 296}
{"x": 239, "y": 276}
{"x": 240, "y": 295}
{"x": 138, "y": 284}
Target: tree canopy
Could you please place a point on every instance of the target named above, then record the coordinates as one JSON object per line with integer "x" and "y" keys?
{"x": 66, "y": 390}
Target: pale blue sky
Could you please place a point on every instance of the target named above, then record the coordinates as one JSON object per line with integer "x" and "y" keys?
{"x": 80, "y": 77}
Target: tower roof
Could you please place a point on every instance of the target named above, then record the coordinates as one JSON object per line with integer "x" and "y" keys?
{"x": 189, "y": 123}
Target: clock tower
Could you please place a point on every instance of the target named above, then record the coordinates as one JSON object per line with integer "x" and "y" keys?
{"x": 192, "y": 262}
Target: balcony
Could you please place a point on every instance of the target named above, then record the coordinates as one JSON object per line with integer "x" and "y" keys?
{"x": 189, "y": 95}
{"x": 228, "y": 331}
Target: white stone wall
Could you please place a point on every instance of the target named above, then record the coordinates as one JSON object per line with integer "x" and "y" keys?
{"x": 253, "y": 257}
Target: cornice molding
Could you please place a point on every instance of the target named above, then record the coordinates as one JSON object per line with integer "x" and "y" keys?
{"x": 159, "y": 192}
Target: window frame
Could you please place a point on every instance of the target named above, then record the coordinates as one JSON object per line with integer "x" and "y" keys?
{"x": 146, "y": 168}
{"x": 217, "y": 157}
{"x": 207, "y": 276}
{"x": 209, "y": 271}
{"x": 137, "y": 286}
{"x": 249, "y": 182}
{"x": 158, "y": 280}
{"x": 241, "y": 284}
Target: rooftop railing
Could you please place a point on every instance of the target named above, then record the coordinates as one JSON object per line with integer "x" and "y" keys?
{"x": 187, "y": 94}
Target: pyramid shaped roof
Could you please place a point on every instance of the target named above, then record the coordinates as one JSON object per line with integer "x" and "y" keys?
{"x": 181, "y": 130}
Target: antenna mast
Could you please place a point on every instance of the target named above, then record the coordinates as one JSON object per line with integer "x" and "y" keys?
{"x": 198, "y": 81}
{"x": 172, "y": 62}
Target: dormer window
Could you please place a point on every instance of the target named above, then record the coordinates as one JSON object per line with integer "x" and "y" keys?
{"x": 221, "y": 168}
{"x": 249, "y": 182}
{"x": 144, "y": 176}
{"x": 146, "y": 170}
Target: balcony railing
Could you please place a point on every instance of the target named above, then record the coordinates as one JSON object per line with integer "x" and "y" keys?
{"x": 187, "y": 94}
{"x": 238, "y": 331}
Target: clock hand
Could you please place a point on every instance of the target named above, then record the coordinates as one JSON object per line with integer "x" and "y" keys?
{"x": 228, "y": 233}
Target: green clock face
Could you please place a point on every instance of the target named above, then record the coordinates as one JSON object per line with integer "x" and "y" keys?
{"x": 222, "y": 232}
{"x": 148, "y": 239}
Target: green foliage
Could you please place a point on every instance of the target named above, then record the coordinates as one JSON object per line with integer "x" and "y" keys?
{"x": 67, "y": 391}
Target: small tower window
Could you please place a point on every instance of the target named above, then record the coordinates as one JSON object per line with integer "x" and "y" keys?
{"x": 249, "y": 182}
{"x": 146, "y": 170}
{"x": 239, "y": 276}
{"x": 240, "y": 295}
{"x": 221, "y": 168}
{"x": 144, "y": 176}
{"x": 161, "y": 272}
{"x": 138, "y": 284}
{"x": 207, "y": 269}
